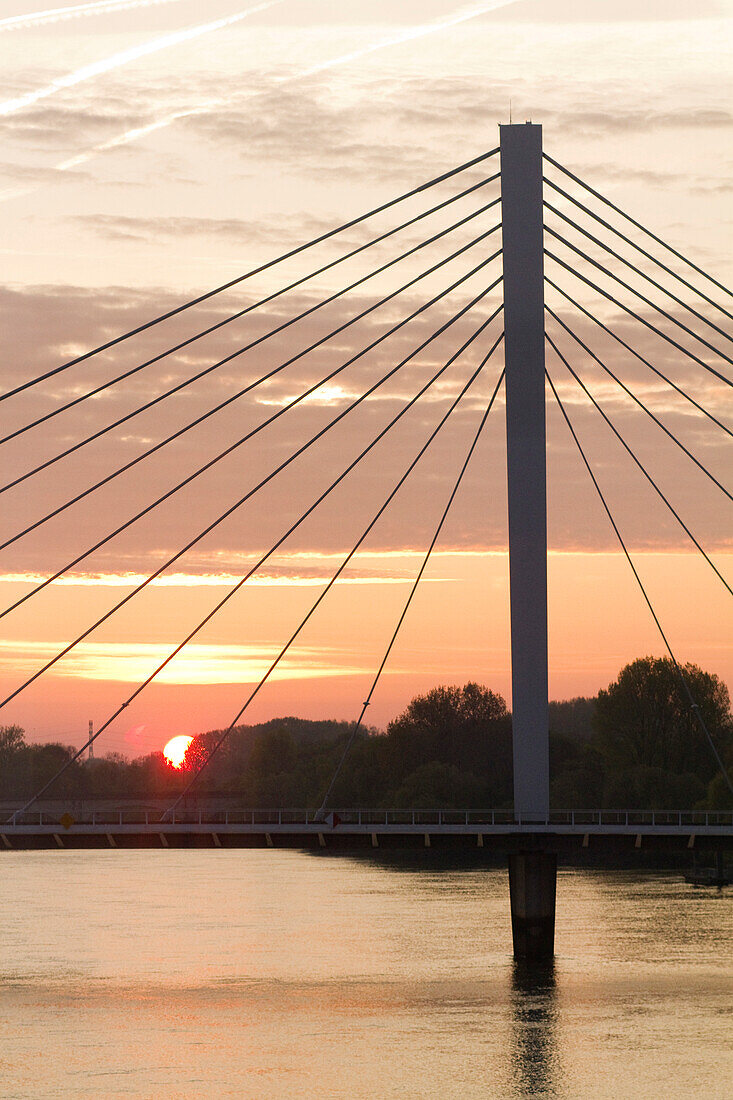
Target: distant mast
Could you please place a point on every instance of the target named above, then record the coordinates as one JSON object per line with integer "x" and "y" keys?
{"x": 91, "y": 743}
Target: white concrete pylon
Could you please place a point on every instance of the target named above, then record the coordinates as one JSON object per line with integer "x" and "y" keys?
{"x": 524, "y": 326}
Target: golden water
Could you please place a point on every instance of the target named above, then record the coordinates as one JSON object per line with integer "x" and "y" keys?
{"x": 275, "y": 974}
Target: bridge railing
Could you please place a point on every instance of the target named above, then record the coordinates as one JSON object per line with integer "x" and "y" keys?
{"x": 575, "y": 819}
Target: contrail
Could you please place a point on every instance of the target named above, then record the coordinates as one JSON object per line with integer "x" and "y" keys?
{"x": 124, "y": 57}
{"x": 138, "y": 132}
{"x": 394, "y": 40}
{"x": 188, "y": 112}
{"x": 54, "y": 15}
{"x": 406, "y": 36}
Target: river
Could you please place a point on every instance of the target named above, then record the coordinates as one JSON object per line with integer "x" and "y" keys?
{"x": 277, "y": 974}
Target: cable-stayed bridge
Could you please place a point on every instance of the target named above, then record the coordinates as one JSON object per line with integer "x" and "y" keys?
{"x": 527, "y": 257}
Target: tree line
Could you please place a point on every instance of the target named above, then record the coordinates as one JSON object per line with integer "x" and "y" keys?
{"x": 636, "y": 745}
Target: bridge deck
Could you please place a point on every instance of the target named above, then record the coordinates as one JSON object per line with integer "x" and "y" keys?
{"x": 355, "y": 829}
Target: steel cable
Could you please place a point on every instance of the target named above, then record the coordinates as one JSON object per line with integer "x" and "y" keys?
{"x": 234, "y": 397}
{"x": 233, "y": 508}
{"x": 693, "y": 705}
{"x": 254, "y": 271}
{"x": 282, "y": 539}
{"x": 241, "y": 351}
{"x": 640, "y": 403}
{"x": 249, "y": 309}
{"x": 406, "y": 608}
{"x": 191, "y": 477}
{"x": 636, "y": 270}
{"x": 643, "y": 469}
{"x": 647, "y": 301}
{"x": 633, "y": 244}
{"x": 638, "y": 225}
{"x": 335, "y": 577}
{"x": 55, "y": 576}
{"x": 637, "y": 355}
{"x": 640, "y": 319}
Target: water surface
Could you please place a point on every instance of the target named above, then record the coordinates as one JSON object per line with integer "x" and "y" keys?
{"x": 276, "y": 974}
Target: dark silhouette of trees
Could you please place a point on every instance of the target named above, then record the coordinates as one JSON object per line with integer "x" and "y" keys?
{"x": 24, "y": 768}
{"x": 573, "y": 718}
{"x": 12, "y": 738}
{"x": 440, "y": 785}
{"x": 234, "y": 756}
{"x": 577, "y": 771}
{"x": 644, "y": 719}
{"x": 637, "y": 745}
{"x": 467, "y": 732}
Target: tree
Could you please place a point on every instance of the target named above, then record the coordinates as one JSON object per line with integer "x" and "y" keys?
{"x": 573, "y": 717}
{"x": 718, "y": 795}
{"x": 466, "y": 727}
{"x": 272, "y": 779}
{"x": 652, "y": 789}
{"x": 12, "y": 740}
{"x": 13, "y": 750}
{"x": 437, "y": 785}
{"x": 106, "y": 776}
{"x": 273, "y": 752}
{"x": 644, "y": 719}
{"x": 576, "y": 772}
{"x": 37, "y": 764}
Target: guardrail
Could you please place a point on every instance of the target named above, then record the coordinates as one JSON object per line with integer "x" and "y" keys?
{"x": 465, "y": 818}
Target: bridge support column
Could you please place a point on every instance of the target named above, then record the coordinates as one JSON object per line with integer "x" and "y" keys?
{"x": 532, "y": 874}
{"x": 524, "y": 337}
{"x": 532, "y": 881}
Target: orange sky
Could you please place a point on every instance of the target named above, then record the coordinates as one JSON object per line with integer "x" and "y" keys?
{"x": 151, "y": 152}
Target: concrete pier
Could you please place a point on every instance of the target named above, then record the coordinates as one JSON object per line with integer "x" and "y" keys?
{"x": 532, "y": 882}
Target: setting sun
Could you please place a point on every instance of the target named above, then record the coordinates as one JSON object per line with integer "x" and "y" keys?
{"x": 175, "y": 750}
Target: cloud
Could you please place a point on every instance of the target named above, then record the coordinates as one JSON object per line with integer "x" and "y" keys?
{"x": 615, "y": 172}
{"x": 708, "y": 185}
{"x": 52, "y": 125}
{"x": 270, "y": 578}
{"x": 642, "y": 120}
{"x": 77, "y": 318}
{"x": 294, "y": 120}
{"x": 464, "y": 105}
{"x": 125, "y": 57}
{"x": 304, "y": 129}
{"x": 131, "y": 663}
{"x": 163, "y": 121}
{"x": 119, "y": 227}
{"x": 597, "y": 109}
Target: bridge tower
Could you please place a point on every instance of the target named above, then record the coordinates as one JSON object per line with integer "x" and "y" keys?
{"x": 532, "y": 873}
